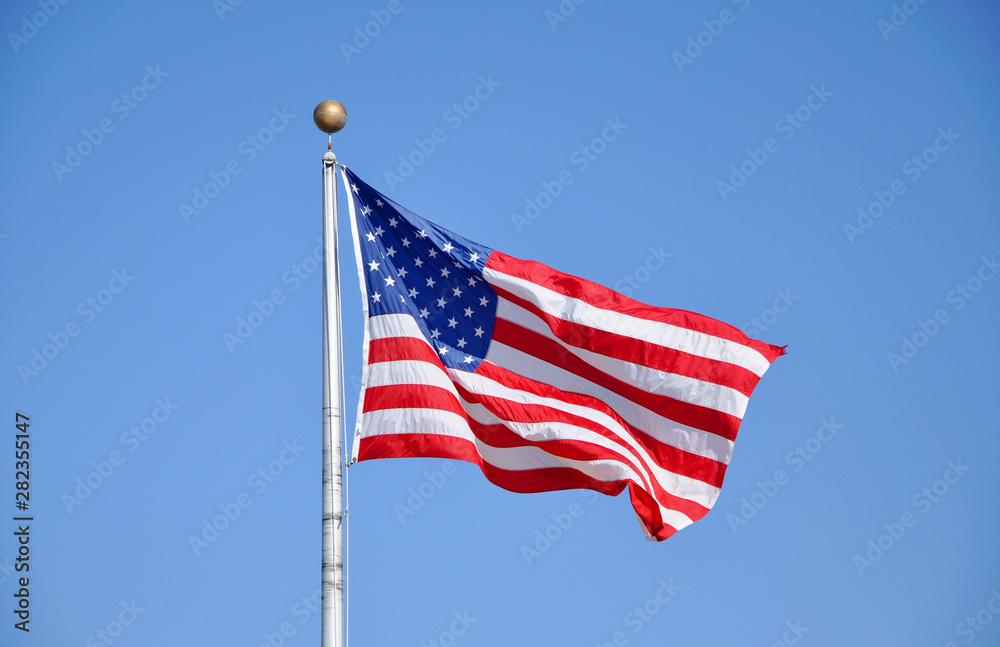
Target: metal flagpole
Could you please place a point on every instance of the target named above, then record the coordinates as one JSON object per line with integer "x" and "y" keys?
{"x": 330, "y": 117}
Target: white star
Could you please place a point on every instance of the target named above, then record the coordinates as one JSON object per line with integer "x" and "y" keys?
{"x": 423, "y": 313}
{"x": 484, "y": 302}
{"x": 474, "y": 257}
{"x": 441, "y": 302}
{"x": 443, "y": 350}
{"x": 370, "y": 237}
{"x": 462, "y": 343}
{"x": 445, "y": 273}
{"x": 389, "y": 281}
{"x": 432, "y": 253}
{"x": 406, "y": 242}
{"x": 418, "y": 262}
{"x": 379, "y": 231}
{"x": 354, "y": 187}
{"x": 447, "y": 247}
{"x": 379, "y": 203}
{"x": 469, "y": 359}
{"x": 393, "y": 222}
{"x": 402, "y": 299}
{"x": 435, "y": 334}
{"x": 472, "y": 281}
{"x": 457, "y": 292}
{"x": 422, "y": 233}
{"x": 390, "y": 252}
{"x": 468, "y": 312}
{"x": 458, "y": 265}
{"x": 365, "y": 210}
{"x": 479, "y": 331}
{"x": 373, "y": 265}
{"x": 431, "y": 282}
{"x": 402, "y": 272}
{"x": 413, "y": 294}
{"x": 452, "y": 323}
{"x": 376, "y": 296}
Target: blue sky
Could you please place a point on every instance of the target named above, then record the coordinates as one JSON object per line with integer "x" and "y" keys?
{"x": 822, "y": 175}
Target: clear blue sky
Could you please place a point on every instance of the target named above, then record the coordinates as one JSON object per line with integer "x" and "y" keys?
{"x": 730, "y": 185}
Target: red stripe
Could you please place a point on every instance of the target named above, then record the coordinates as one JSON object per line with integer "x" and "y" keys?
{"x": 602, "y": 297}
{"x": 644, "y": 353}
{"x": 668, "y": 457}
{"x": 391, "y": 349}
{"x": 526, "y": 482}
{"x": 411, "y": 396}
{"x": 547, "y": 350}
{"x": 498, "y": 435}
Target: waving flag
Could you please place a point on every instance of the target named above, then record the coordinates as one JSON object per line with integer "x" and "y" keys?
{"x": 545, "y": 380}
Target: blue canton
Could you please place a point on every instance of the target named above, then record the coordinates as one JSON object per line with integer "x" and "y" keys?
{"x": 415, "y": 267}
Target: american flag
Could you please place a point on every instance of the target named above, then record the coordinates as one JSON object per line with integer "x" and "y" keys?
{"x": 545, "y": 380}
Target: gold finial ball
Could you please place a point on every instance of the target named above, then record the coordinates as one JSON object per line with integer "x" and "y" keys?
{"x": 330, "y": 116}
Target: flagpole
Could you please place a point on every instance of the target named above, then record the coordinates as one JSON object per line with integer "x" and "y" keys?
{"x": 330, "y": 117}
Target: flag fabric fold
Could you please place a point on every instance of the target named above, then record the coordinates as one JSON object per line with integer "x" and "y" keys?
{"x": 545, "y": 380}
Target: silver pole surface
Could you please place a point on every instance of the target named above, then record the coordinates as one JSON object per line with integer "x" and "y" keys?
{"x": 332, "y": 617}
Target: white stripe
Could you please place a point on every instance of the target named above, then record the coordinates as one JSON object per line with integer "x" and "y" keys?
{"x": 655, "y": 332}
{"x": 364, "y": 307}
{"x": 675, "y": 484}
{"x": 407, "y": 372}
{"x": 660, "y": 428}
{"x": 435, "y": 422}
{"x": 653, "y": 381}
{"x": 401, "y": 372}
{"x": 395, "y": 325}
{"x": 515, "y": 459}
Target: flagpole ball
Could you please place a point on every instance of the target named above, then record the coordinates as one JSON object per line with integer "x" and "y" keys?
{"x": 330, "y": 116}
